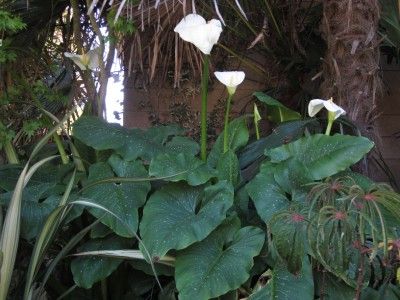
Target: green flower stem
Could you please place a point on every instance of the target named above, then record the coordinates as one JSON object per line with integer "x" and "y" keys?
{"x": 12, "y": 156}
{"x": 328, "y": 128}
{"x": 60, "y": 147}
{"x": 257, "y": 131}
{"x": 257, "y": 118}
{"x": 331, "y": 119}
{"x": 203, "y": 114}
{"x": 227, "y": 111}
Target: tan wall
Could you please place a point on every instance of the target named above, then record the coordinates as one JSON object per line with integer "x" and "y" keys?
{"x": 139, "y": 104}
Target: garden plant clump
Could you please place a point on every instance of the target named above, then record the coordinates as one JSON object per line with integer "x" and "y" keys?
{"x": 118, "y": 213}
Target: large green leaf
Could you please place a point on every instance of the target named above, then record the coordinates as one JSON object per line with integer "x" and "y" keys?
{"x": 88, "y": 270}
{"x": 228, "y": 167}
{"x": 291, "y": 175}
{"x": 285, "y": 286}
{"x": 277, "y": 112}
{"x": 178, "y": 215}
{"x": 130, "y": 143}
{"x": 36, "y": 206}
{"x": 238, "y": 136}
{"x": 38, "y": 201}
{"x": 34, "y": 215}
{"x": 219, "y": 263}
{"x": 182, "y": 144}
{"x": 52, "y": 174}
{"x": 184, "y": 166}
{"x": 268, "y": 197}
{"x": 323, "y": 155}
{"x": 123, "y": 199}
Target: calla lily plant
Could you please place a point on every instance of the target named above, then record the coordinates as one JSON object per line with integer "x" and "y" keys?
{"x": 334, "y": 111}
{"x": 204, "y": 35}
{"x": 85, "y": 61}
{"x": 231, "y": 79}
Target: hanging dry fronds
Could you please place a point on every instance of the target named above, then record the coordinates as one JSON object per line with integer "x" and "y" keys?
{"x": 147, "y": 50}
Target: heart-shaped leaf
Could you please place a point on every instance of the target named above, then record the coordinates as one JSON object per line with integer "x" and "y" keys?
{"x": 178, "y": 215}
{"x": 218, "y": 264}
{"x": 323, "y": 155}
{"x": 122, "y": 199}
{"x": 184, "y": 166}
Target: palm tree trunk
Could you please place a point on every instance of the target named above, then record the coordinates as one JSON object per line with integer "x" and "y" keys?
{"x": 351, "y": 64}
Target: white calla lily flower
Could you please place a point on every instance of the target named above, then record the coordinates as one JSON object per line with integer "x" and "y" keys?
{"x": 316, "y": 105}
{"x": 231, "y": 79}
{"x": 194, "y": 29}
{"x": 89, "y": 60}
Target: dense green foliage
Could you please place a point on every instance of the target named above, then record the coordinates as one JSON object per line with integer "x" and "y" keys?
{"x": 290, "y": 214}
{"x": 136, "y": 214}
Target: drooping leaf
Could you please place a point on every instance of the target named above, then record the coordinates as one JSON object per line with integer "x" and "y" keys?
{"x": 129, "y": 143}
{"x": 218, "y": 264}
{"x": 238, "y": 136}
{"x": 277, "y": 112}
{"x": 228, "y": 167}
{"x": 268, "y": 197}
{"x": 123, "y": 199}
{"x": 323, "y": 155}
{"x": 178, "y": 215}
{"x": 285, "y": 286}
{"x": 88, "y": 270}
{"x": 184, "y": 166}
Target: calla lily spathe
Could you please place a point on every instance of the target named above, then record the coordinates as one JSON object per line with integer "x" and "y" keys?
{"x": 231, "y": 79}
{"x": 89, "y": 60}
{"x": 194, "y": 29}
{"x": 316, "y": 105}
